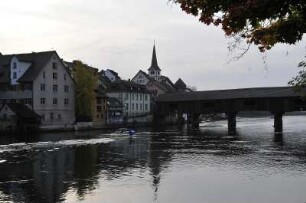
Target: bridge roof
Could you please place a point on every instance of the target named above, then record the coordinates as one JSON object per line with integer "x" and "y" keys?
{"x": 246, "y": 93}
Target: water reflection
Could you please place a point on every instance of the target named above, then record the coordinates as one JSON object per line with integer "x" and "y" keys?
{"x": 153, "y": 164}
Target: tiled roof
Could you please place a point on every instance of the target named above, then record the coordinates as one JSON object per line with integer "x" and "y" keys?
{"x": 38, "y": 60}
{"x": 262, "y": 92}
{"x": 22, "y": 111}
{"x": 180, "y": 84}
{"x": 127, "y": 86}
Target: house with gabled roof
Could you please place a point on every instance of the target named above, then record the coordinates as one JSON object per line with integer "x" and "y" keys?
{"x": 112, "y": 75}
{"x": 18, "y": 117}
{"x": 42, "y": 82}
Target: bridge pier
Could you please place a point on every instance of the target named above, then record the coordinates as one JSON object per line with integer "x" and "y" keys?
{"x": 278, "y": 121}
{"x": 231, "y": 122}
{"x": 193, "y": 120}
{"x": 180, "y": 119}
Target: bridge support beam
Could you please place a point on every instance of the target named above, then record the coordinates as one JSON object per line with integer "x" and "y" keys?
{"x": 278, "y": 121}
{"x": 231, "y": 122}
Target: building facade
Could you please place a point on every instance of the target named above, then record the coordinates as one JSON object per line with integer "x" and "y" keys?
{"x": 135, "y": 98}
{"x": 42, "y": 82}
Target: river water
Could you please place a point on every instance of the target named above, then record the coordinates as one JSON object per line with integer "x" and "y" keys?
{"x": 172, "y": 165}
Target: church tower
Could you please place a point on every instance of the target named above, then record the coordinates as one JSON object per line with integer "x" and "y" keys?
{"x": 154, "y": 70}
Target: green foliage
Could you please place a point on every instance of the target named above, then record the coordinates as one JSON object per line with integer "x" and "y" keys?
{"x": 86, "y": 82}
{"x": 299, "y": 81}
{"x": 260, "y": 22}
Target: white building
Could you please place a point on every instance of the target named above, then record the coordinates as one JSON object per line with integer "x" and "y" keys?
{"x": 134, "y": 97}
{"x": 42, "y": 82}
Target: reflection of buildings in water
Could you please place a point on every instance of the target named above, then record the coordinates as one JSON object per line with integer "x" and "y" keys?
{"x": 122, "y": 156}
{"x": 37, "y": 177}
{"x": 159, "y": 158}
{"x": 50, "y": 174}
{"x": 86, "y": 170}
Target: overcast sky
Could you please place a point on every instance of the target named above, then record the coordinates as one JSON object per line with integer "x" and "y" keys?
{"x": 119, "y": 35}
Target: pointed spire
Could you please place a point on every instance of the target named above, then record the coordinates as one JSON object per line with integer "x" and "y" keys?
{"x": 154, "y": 63}
{"x": 154, "y": 58}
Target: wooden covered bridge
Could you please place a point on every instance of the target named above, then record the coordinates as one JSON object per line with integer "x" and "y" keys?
{"x": 276, "y": 100}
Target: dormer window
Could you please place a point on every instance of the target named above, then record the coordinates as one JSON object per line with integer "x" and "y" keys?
{"x": 14, "y": 65}
{"x": 14, "y": 75}
{"x": 152, "y": 72}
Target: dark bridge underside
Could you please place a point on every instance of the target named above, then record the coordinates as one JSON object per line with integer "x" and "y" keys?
{"x": 277, "y": 100}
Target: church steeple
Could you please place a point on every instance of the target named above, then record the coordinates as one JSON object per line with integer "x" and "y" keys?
{"x": 154, "y": 64}
{"x": 154, "y": 70}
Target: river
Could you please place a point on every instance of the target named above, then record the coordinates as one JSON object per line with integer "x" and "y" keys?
{"x": 170, "y": 165}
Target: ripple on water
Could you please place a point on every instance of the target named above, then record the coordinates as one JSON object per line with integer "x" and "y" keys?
{"x": 53, "y": 145}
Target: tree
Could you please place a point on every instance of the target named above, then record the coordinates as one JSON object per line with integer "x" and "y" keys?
{"x": 260, "y": 22}
{"x": 299, "y": 81}
{"x": 86, "y": 82}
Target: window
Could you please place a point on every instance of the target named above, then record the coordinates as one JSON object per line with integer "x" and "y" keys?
{"x": 146, "y": 97}
{"x": 66, "y": 101}
{"x": 140, "y": 97}
{"x": 66, "y": 88}
{"x": 132, "y": 106}
{"x": 54, "y": 88}
{"x": 14, "y": 75}
{"x": 54, "y": 66}
{"x": 65, "y": 76}
{"x": 99, "y": 109}
{"x": 126, "y": 96}
{"x": 13, "y": 100}
{"x": 59, "y": 117}
{"x": 42, "y": 100}
{"x": 42, "y": 117}
{"x": 152, "y": 72}
{"x": 14, "y": 65}
{"x": 146, "y": 107}
{"x": 141, "y": 107}
{"x": 132, "y": 96}
{"x": 99, "y": 100}
{"x": 127, "y": 107}
{"x": 42, "y": 87}
{"x": 44, "y": 75}
{"x": 55, "y": 101}
{"x": 28, "y": 101}
{"x": 136, "y": 96}
{"x": 55, "y": 76}
{"x": 51, "y": 116}
{"x": 136, "y": 107}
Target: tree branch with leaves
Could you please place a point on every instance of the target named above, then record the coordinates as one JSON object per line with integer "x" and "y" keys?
{"x": 260, "y": 22}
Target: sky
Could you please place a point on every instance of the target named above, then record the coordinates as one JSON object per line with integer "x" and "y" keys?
{"x": 120, "y": 34}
